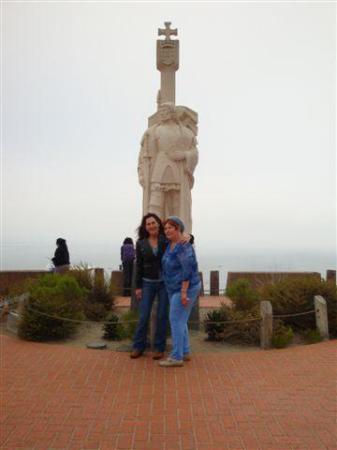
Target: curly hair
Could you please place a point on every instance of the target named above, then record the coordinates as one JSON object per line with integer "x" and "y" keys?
{"x": 142, "y": 233}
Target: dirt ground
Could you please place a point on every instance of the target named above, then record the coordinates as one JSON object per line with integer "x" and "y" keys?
{"x": 93, "y": 332}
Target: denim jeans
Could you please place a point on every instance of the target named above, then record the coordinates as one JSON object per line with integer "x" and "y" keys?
{"x": 179, "y": 315}
{"x": 149, "y": 291}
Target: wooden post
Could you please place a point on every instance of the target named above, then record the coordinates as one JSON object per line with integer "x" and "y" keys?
{"x": 116, "y": 282}
{"x": 214, "y": 282}
{"x": 202, "y": 292}
{"x": 331, "y": 276}
{"x": 321, "y": 313}
{"x": 266, "y": 331}
{"x": 99, "y": 277}
{"x": 195, "y": 316}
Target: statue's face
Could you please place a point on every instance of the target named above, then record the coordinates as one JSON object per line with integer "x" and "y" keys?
{"x": 165, "y": 113}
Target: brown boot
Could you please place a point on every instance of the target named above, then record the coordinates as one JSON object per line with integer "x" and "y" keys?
{"x": 187, "y": 357}
{"x": 136, "y": 354}
{"x": 158, "y": 355}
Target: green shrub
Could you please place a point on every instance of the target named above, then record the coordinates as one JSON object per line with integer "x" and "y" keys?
{"x": 312, "y": 336}
{"x": 83, "y": 276}
{"x": 291, "y": 296}
{"x": 213, "y": 326}
{"x": 129, "y": 322}
{"x": 242, "y": 295}
{"x": 99, "y": 299}
{"x": 282, "y": 336}
{"x": 113, "y": 330}
{"x": 243, "y": 331}
{"x": 94, "y": 311}
{"x": 51, "y": 295}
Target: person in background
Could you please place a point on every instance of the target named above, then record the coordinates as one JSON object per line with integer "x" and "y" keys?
{"x": 182, "y": 281}
{"x": 127, "y": 257}
{"x": 61, "y": 257}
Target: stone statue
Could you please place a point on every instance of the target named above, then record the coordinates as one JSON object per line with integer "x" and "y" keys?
{"x": 169, "y": 154}
{"x": 167, "y": 160}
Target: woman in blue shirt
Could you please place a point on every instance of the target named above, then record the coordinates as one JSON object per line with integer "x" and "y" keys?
{"x": 182, "y": 281}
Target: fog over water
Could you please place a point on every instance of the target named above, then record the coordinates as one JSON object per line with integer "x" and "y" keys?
{"x": 20, "y": 256}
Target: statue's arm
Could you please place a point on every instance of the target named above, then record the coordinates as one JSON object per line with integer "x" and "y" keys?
{"x": 192, "y": 155}
{"x": 142, "y": 160}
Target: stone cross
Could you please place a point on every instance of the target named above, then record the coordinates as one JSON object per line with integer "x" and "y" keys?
{"x": 167, "y": 62}
{"x": 167, "y": 32}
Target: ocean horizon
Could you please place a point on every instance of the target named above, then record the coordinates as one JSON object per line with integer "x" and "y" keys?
{"x": 26, "y": 256}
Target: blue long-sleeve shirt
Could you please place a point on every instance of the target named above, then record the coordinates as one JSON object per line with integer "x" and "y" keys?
{"x": 178, "y": 265}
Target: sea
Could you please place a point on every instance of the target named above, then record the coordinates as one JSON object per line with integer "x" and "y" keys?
{"x": 28, "y": 256}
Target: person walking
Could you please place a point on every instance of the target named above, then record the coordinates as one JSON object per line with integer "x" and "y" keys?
{"x": 127, "y": 257}
{"x": 182, "y": 281}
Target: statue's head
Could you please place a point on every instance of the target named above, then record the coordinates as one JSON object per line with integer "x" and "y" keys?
{"x": 167, "y": 111}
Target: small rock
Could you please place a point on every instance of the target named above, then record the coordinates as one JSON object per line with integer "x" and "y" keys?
{"x": 97, "y": 345}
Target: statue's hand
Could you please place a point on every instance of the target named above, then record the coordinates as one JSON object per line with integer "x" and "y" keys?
{"x": 178, "y": 155}
{"x": 141, "y": 177}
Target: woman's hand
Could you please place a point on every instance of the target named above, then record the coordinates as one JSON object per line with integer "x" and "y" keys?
{"x": 185, "y": 238}
{"x": 138, "y": 294}
{"x": 184, "y": 300}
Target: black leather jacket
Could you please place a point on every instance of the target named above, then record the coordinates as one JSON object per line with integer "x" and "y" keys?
{"x": 148, "y": 265}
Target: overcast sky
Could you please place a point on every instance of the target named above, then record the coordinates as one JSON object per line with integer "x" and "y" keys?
{"x": 79, "y": 81}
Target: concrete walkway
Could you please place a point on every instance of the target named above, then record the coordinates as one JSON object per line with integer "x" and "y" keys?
{"x": 57, "y": 397}
{"x": 207, "y": 301}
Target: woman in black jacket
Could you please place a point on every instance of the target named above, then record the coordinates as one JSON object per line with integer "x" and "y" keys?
{"x": 61, "y": 256}
{"x": 150, "y": 247}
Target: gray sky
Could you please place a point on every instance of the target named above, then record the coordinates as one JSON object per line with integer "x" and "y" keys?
{"x": 79, "y": 81}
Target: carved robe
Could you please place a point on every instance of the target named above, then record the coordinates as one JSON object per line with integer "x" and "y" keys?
{"x": 160, "y": 169}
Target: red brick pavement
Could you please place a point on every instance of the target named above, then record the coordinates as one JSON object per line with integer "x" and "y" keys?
{"x": 57, "y": 397}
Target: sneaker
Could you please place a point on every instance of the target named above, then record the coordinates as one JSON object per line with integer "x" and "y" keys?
{"x": 158, "y": 355}
{"x": 136, "y": 354}
{"x": 170, "y": 362}
{"x": 187, "y": 357}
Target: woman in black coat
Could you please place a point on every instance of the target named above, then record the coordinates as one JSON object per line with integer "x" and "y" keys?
{"x": 61, "y": 257}
{"x": 150, "y": 247}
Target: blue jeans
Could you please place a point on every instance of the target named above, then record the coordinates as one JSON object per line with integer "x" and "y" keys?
{"x": 179, "y": 315}
{"x": 149, "y": 291}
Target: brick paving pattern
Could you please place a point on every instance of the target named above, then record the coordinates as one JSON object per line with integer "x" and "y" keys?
{"x": 57, "y": 397}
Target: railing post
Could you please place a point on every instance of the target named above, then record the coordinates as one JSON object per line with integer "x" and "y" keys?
{"x": 214, "y": 282}
{"x": 331, "y": 277}
{"x": 266, "y": 331}
{"x": 99, "y": 277}
{"x": 202, "y": 292}
{"x": 321, "y": 313}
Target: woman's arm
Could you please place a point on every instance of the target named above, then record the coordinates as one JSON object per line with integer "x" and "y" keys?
{"x": 184, "y": 287}
{"x": 185, "y": 256}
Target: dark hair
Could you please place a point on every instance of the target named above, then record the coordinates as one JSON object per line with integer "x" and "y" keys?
{"x": 142, "y": 233}
{"x": 61, "y": 242}
{"x": 128, "y": 240}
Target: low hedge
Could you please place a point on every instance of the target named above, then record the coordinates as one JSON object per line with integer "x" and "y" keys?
{"x": 51, "y": 295}
{"x": 290, "y": 296}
